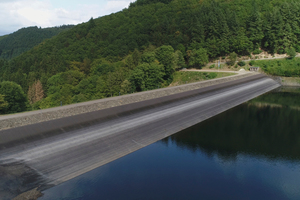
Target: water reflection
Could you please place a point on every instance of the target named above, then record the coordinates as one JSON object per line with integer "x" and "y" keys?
{"x": 255, "y": 128}
{"x": 250, "y": 152}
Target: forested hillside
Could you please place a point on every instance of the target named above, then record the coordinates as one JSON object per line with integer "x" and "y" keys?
{"x": 2, "y": 37}
{"x": 140, "y": 47}
{"x": 15, "y": 44}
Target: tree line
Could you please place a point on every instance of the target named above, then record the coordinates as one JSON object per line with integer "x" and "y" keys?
{"x": 140, "y": 47}
{"x": 15, "y": 44}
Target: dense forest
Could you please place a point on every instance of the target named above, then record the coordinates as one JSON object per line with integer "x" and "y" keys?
{"x": 141, "y": 47}
{"x": 15, "y": 44}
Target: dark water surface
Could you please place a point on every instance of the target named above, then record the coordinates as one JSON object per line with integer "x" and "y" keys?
{"x": 249, "y": 152}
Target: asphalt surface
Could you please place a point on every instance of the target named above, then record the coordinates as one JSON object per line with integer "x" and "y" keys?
{"x": 55, "y": 158}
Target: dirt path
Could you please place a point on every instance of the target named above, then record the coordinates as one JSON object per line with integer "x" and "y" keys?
{"x": 215, "y": 70}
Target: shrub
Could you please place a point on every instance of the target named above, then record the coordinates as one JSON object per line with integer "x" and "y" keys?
{"x": 257, "y": 51}
{"x": 297, "y": 48}
{"x": 212, "y": 66}
{"x": 252, "y": 63}
{"x": 212, "y": 75}
{"x": 232, "y": 58}
{"x": 241, "y": 63}
{"x": 281, "y": 51}
{"x": 236, "y": 66}
{"x": 292, "y": 52}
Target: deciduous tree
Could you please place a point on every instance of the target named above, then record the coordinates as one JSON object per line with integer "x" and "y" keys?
{"x": 14, "y": 96}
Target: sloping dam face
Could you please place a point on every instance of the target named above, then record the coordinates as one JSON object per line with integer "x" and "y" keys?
{"x": 52, "y": 152}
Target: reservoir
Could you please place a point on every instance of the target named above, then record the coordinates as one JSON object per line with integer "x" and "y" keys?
{"x": 249, "y": 152}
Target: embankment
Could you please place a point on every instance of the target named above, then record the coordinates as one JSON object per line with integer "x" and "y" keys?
{"x": 27, "y": 118}
{"x": 51, "y": 152}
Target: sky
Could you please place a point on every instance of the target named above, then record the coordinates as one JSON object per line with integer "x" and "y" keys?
{"x": 16, "y": 14}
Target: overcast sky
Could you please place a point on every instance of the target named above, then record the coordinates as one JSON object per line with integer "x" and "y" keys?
{"x": 15, "y": 14}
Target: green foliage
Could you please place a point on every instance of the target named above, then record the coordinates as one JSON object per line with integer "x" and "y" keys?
{"x": 3, "y": 104}
{"x": 147, "y": 76}
{"x": 165, "y": 56}
{"x": 181, "y": 48}
{"x": 218, "y": 26}
{"x": 148, "y": 57}
{"x": 86, "y": 89}
{"x": 183, "y": 77}
{"x": 212, "y": 75}
{"x": 291, "y": 52}
{"x": 126, "y": 87}
{"x": 241, "y": 63}
{"x": 252, "y": 63}
{"x": 102, "y": 69}
{"x": 15, "y": 44}
{"x": 257, "y": 51}
{"x": 14, "y": 96}
{"x": 179, "y": 60}
{"x": 198, "y": 58}
{"x": 283, "y": 67}
{"x": 145, "y": 2}
{"x": 105, "y": 55}
{"x": 66, "y": 78}
{"x": 232, "y": 58}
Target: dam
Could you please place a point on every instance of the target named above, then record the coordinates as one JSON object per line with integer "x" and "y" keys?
{"x": 51, "y": 152}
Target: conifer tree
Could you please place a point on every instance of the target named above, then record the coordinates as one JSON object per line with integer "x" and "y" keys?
{"x": 255, "y": 31}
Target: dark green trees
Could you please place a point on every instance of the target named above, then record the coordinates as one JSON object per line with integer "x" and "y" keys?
{"x": 24, "y": 39}
{"x": 291, "y": 52}
{"x": 117, "y": 54}
{"x": 198, "y": 58}
{"x": 3, "y": 104}
{"x": 14, "y": 98}
{"x": 255, "y": 27}
{"x": 147, "y": 77}
{"x": 165, "y": 56}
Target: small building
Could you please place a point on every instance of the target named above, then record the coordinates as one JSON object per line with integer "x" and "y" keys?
{"x": 254, "y": 69}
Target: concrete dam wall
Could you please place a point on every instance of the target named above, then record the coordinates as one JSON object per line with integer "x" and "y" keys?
{"x": 51, "y": 152}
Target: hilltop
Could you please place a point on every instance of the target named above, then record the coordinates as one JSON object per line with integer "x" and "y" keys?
{"x": 15, "y": 44}
{"x": 141, "y": 47}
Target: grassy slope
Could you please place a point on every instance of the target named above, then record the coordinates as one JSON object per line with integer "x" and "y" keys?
{"x": 183, "y": 77}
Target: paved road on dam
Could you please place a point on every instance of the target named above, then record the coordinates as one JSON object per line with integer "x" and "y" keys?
{"x": 51, "y": 160}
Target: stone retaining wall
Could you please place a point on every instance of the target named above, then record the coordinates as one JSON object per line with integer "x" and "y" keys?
{"x": 33, "y": 117}
{"x": 290, "y": 81}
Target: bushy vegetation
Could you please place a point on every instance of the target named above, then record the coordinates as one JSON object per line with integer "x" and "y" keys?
{"x": 141, "y": 47}
{"x": 252, "y": 63}
{"x": 183, "y": 77}
{"x": 241, "y": 63}
{"x": 232, "y": 58}
{"x": 282, "y": 67}
{"x": 257, "y": 51}
{"x": 12, "y": 98}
